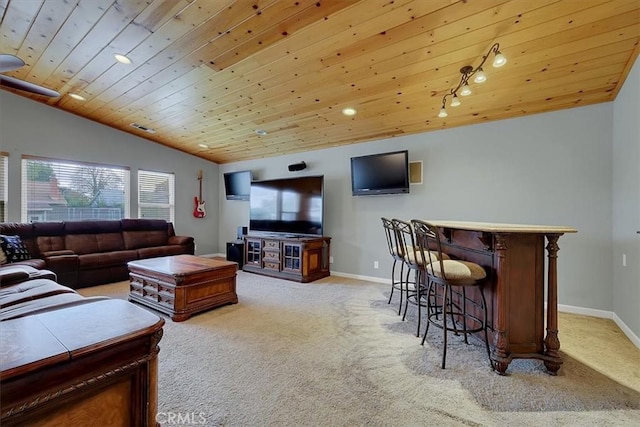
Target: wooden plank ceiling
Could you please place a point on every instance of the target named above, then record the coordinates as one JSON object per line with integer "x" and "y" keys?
{"x": 206, "y": 74}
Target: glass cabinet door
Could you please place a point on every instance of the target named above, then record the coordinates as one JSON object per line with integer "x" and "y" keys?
{"x": 292, "y": 257}
{"x": 254, "y": 252}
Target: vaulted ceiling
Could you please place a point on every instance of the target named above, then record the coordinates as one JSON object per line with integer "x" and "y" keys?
{"x": 207, "y": 74}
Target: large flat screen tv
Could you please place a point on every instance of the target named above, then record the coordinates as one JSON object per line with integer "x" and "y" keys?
{"x": 287, "y": 206}
{"x": 237, "y": 185}
{"x": 383, "y": 173}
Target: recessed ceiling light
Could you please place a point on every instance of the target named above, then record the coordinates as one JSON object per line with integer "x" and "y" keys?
{"x": 78, "y": 97}
{"x": 203, "y": 145}
{"x": 261, "y": 132}
{"x": 122, "y": 59}
{"x": 349, "y": 111}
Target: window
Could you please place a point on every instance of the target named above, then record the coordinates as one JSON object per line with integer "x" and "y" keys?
{"x": 61, "y": 190}
{"x": 156, "y": 195}
{"x": 4, "y": 157}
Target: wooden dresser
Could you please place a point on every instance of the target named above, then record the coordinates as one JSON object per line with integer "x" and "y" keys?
{"x": 92, "y": 364}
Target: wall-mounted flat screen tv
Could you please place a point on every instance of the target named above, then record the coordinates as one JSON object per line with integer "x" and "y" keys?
{"x": 287, "y": 206}
{"x": 237, "y": 185}
{"x": 383, "y": 173}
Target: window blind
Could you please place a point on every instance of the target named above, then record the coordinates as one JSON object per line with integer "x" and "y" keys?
{"x": 156, "y": 195}
{"x": 62, "y": 190}
{"x": 4, "y": 185}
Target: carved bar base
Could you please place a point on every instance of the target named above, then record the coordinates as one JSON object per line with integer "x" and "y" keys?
{"x": 514, "y": 257}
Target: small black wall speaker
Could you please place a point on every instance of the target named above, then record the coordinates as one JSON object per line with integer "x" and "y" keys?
{"x": 297, "y": 166}
{"x": 242, "y": 231}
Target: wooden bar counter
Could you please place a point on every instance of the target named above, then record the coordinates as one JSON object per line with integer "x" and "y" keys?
{"x": 514, "y": 257}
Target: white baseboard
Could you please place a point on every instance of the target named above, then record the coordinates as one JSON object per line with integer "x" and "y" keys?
{"x": 359, "y": 277}
{"x": 212, "y": 255}
{"x": 605, "y": 315}
{"x": 627, "y": 331}
{"x": 584, "y": 311}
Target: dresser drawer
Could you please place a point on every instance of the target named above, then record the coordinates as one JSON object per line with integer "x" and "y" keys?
{"x": 271, "y": 244}
{"x": 270, "y": 265}
{"x": 271, "y": 257}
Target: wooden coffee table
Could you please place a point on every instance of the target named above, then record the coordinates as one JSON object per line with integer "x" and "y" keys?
{"x": 182, "y": 285}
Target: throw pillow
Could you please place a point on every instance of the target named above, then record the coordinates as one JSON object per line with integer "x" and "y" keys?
{"x": 3, "y": 257}
{"x": 14, "y": 248}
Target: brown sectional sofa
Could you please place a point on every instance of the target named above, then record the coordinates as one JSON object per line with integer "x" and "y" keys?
{"x": 87, "y": 253}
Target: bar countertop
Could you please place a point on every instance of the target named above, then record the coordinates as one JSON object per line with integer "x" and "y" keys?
{"x": 502, "y": 228}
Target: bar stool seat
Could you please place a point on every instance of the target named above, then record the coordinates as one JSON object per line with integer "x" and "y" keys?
{"x": 457, "y": 272}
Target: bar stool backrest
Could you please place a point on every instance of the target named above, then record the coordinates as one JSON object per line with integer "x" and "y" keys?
{"x": 429, "y": 245}
{"x": 392, "y": 239}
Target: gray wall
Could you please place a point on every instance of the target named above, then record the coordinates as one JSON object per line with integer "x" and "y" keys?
{"x": 553, "y": 169}
{"x": 626, "y": 201}
{"x": 31, "y": 128}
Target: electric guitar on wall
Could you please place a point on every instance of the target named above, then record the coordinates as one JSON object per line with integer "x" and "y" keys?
{"x": 199, "y": 211}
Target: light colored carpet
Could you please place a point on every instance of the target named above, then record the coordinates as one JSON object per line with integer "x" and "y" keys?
{"x": 334, "y": 353}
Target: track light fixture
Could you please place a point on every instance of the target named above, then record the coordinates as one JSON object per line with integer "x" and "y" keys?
{"x": 463, "y": 89}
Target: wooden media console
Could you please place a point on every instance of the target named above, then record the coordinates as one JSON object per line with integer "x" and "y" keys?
{"x": 302, "y": 259}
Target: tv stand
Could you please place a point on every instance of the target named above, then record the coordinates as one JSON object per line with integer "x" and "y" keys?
{"x": 301, "y": 259}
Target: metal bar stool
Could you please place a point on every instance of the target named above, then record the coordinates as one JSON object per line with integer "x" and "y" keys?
{"x": 451, "y": 276}
{"x": 415, "y": 259}
{"x": 396, "y": 253}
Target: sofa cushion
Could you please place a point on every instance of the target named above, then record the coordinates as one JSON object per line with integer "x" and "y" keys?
{"x": 144, "y": 239}
{"x": 22, "y": 229}
{"x": 53, "y": 228}
{"x": 10, "y": 274}
{"x": 49, "y": 236}
{"x": 50, "y": 243}
{"x": 109, "y": 242}
{"x": 81, "y": 244}
{"x": 33, "y": 262}
{"x": 158, "y": 251}
{"x": 87, "y": 237}
{"x": 105, "y": 259}
{"x": 142, "y": 224}
{"x": 14, "y": 248}
{"x": 53, "y": 302}
{"x": 92, "y": 227}
{"x": 31, "y": 290}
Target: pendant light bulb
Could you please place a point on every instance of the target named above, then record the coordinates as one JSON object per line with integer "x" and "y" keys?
{"x": 465, "y": 91}
{"x": 455, "y": 101}
{"x": 480, "y": 77}
{"x": 443, "y": 113}
{"x": 499, "y": 60}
